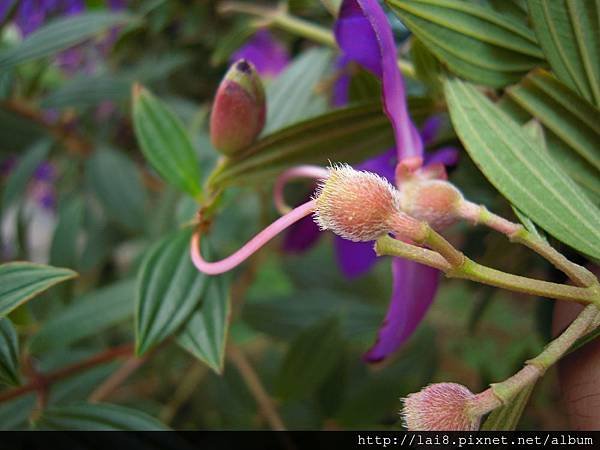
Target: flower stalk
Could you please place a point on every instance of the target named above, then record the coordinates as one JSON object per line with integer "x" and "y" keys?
{"x": 502, "y": 393}
{"x": 473, "y": 271}
{"x": 479, "y": 214}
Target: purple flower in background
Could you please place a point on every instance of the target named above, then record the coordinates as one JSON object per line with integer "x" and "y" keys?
{"x": 269, "y": 56}
{"x": 32, "y": 14}
{"x": 41, "y": 186}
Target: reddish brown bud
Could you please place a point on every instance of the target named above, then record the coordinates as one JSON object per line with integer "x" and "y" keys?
{"x": 440, "y": 407}
{"x": 239, "y": 109}
{"x": 433, "y": 201}
{"x": 361, "y": 206}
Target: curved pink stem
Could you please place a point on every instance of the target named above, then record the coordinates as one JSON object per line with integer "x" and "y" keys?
{"x": 306, "y": 171}
{"x": 215, "y": 268}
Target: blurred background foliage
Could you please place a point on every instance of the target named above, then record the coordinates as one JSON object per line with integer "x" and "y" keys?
{"x": 78, "y": 193}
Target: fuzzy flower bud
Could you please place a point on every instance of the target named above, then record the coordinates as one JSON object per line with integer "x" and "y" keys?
{"x": 440, "y": 407}
{"x": 239, "y": 109}
{"x": 433, "y": 201}
{"x": 361, "y": 206}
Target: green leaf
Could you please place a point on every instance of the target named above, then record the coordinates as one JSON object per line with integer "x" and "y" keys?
{"x": 169, "y": 288}
{"x": 506, "y": 418}
{"x": 292, "y": 95}
{"x": 97, "y": 417}
{"x": 9, "y": 353}
{"x": 309, "y": 360}
{"x": 86, "y": 317}
{"x": 88, "y": 91}
{"x": 60, "y": 34}
{"x": 475, "y": 41}
{"x": 575, "y": 121}
{"x": 569, "y": 34}
{"x": 507, "y": 156}
{"x": 427, "y": 67}
{"x": 347, "y": 135}
{"x": 116, "y": 181}
{"x": 205, "y": 335}
{"x": 20, "y": 177}
{"x": 64, "y": 248}
{"x": 165, "y": 142}
{"x": 21, "y": 281}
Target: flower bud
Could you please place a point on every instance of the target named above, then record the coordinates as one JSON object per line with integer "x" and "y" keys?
{"x": 440, "y": 407}
{"x": 433, "y": 201}
{"x": 239, "y": 109}
{"x": 361, "y": 206}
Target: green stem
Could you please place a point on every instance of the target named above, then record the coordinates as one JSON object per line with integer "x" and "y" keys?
{"x": 578, "y": 274}
{"x": 505, "y": 391}
{"x": 470, "y": 270}
{"x": 280, "y": 18}
{"x": 479, "y": 214}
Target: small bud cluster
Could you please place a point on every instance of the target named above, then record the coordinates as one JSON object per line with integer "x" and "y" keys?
{"x": 440, "y": 407}
{"x": 239, "y": 109}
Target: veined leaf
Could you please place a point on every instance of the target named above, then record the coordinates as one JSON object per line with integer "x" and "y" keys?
{"x": 205, "y": 335}
{"x": 169, "y": 288}
{"x": 505, "y": 154}
{"x": 165, "y": 142}
{"x": 475, "y": 41}
{"x": 569, "y": 33}
{"x": 116, "y": 181}
{"x": 21, "y": 281}
{"x": 506, "y": 418}
{"x": 9, "y": 353}
{"x": 86, "y": 317}
{"x": 309, "y": 360}
{"x": 292, "y": 95}
{"x": 60, "y": 34}
{"x": 348, "y": 135}
{"x": 575, "y": 121}
{"x": 96, "y": 417}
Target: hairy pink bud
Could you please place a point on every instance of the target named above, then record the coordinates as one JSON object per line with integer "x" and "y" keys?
{"x": 361, "y": 206}
{"x": 433, "y": 201}
{"x": 440, "y": 407}
{"x": 239, "y": 109}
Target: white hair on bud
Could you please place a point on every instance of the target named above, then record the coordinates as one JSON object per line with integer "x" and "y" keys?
{"x": 440, "y": 407}
{"x": 356, "y": 205}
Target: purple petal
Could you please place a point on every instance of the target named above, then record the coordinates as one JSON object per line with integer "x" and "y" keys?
{"x": 447, "y": 156}
{"x": 45, "y": 172}
{"x": 364, "y": 34}
{"x": 268, "y": 55}
{"x": 414, "y": 288}
{"x": 383, "y": 164}
{"x": 354, "y": 258}
{"x": 341, "y": 87}
{"x": 430, "y": 129}
{"x": 301, "y": 236}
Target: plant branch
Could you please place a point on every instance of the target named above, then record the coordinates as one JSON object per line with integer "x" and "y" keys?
{"x": 117, "y": 378}
{"x": 264, "y": 401}
{"x": 46, "y": 380}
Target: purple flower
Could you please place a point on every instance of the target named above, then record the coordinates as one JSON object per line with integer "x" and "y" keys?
{"x": 268, "y": 56}
{"x": 415, "y": 285}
